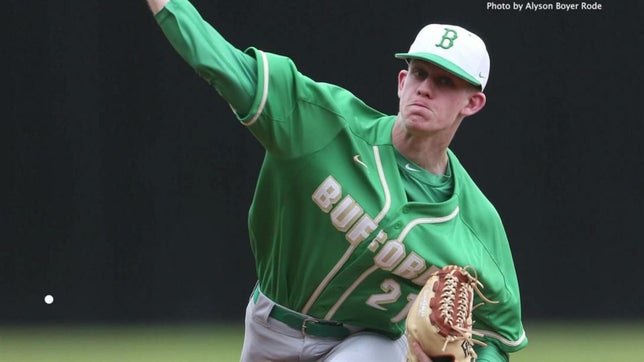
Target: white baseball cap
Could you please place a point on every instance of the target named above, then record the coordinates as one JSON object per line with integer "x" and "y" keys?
{"x": 454, "y": 49}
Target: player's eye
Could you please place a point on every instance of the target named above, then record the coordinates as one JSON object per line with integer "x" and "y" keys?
{"x": 419, "y": 73}
{"x": 445, "y": 81}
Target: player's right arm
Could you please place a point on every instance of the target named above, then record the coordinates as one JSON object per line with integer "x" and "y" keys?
{"x": 232, "y": 72}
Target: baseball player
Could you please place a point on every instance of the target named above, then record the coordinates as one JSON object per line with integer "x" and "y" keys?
{"x": 354, "y": 208}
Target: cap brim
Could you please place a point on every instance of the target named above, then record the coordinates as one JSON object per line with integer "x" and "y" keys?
{"x": 441, "y": 62}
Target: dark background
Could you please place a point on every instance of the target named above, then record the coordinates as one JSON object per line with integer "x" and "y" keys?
{"x": 128, "y": 179}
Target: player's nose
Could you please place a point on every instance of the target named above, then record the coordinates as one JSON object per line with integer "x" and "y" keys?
{"x": 426, "y": 88}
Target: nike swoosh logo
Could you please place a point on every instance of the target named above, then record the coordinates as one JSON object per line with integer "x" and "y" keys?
{"x": 481, "y": 75}
{"x": 408, "y": 166}
{"x": 357, "y": 159}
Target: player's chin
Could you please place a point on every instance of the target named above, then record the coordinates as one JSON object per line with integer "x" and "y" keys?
{"x": 418, "y": 125}
{"x": 418, "y": 115}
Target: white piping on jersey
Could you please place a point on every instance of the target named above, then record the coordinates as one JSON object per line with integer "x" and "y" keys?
{"x": 349, "y": 290}
{"x": 505, "y": 341}
{"x": 262, "y": 103}
{"x": 400, "y": 238}
{"x": 327, "y": 279}
{"x": 426, "y": 220}
{"x": 385, "y": 186}
{"x": 325, "y": 282}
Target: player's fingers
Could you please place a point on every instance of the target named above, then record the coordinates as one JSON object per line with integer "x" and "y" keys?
{"x": 420, "y": 355}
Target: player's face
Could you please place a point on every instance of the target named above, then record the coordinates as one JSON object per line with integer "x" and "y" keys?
{"x": 433, "y": 99}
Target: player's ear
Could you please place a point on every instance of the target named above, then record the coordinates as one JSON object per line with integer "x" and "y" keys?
{"x": 402, "y": 75}
{"x": 475, "y": 103}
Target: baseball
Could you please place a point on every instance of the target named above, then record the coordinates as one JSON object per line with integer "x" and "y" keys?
{"x": 49, "y": 299}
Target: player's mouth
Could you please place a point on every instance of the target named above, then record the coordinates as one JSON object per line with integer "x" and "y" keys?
{"x": 420, "y": 105}
{"x": 419, "y": 101}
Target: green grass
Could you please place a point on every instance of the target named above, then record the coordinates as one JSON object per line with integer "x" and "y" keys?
{"x": 162, "y": 343}
{"x": 550, "y": 342}
{"x": 587, "y": 341}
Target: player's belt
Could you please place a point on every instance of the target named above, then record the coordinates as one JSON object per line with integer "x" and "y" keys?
{"x": 306, "y": 324}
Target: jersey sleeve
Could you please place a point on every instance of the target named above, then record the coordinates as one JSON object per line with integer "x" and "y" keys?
{"x": 229, "y": 70}
{"x": 293, "y": 115}
{"x": 490, "y": 353}
{"x": 501, "y": 323}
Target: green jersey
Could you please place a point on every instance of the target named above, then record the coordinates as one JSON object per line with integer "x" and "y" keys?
{"x": 333, "y": 230}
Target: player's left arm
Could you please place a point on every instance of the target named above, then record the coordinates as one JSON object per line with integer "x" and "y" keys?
{"x": 499, "y": 323}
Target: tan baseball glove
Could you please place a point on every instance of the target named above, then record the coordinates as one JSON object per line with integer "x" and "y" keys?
{"x": 440, "y": 318}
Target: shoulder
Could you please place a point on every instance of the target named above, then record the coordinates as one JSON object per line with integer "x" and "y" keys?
{"x": 280, "y": 78}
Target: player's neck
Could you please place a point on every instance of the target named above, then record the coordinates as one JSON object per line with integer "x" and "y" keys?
{"x": 429, "y": 153}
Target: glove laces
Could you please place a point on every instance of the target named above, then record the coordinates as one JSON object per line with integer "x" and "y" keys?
{"x": 455, "y": 305}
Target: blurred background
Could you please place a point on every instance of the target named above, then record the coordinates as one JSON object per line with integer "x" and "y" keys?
{"x": 128, "y": 179}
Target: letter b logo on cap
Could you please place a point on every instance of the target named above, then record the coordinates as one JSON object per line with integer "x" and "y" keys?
{"x": 447, "y": 41}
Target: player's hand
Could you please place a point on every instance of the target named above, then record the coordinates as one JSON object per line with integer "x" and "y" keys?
{"x": 418, "y": 352}
{"x": 156, "y": 5}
